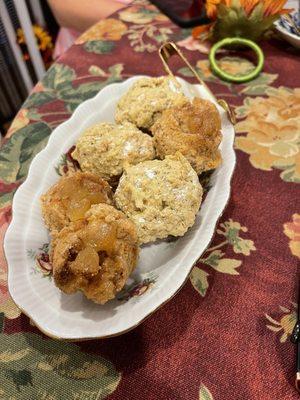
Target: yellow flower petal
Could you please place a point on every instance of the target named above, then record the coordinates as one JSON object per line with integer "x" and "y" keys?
{"x": 262, "y": 159}
{"x": 246, "y": 145}
{"x": 107, "y": 29}
{"x": 10, "y": 310}
{"x": 284, "y": 149}
{"x": 273, "y": 131}
{"x": 295, "y": 248}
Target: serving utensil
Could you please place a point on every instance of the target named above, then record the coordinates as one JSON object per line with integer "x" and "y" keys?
{"x": 169, "y": 49}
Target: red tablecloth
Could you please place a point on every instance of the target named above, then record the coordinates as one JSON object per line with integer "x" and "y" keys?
{"x": 226, "y": 334}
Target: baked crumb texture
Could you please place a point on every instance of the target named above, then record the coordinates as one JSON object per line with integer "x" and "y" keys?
{"x": 144, "y": 102}
{"x": 160, "y": 197}
{"x": 104, "y": 149}
{"x": 70, "y": 198}
{"x": 194, "y": 129}
{"x": 96, "y": 254}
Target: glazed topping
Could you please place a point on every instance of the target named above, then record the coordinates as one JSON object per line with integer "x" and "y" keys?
{"x": 78, "y": 197}
{"x": 87, "y": 261}
{"x": 101, "y": 237}
{"x": 98, "y": 242}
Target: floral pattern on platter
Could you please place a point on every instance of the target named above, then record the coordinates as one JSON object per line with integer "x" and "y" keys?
{"x": 272, "y": 128}
{"x": 286, "y": 323}
{"x": 67, "y": 164}
{"x": 43, "y": 266}
{"x": 292, "y": 231}
{"x": 41, "y": 259}
{"x": 54, "y": 369}
{"x": 214, "y": 257}
{"x": 137, "y": 288}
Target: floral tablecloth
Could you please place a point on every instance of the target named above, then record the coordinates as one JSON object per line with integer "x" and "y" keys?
{"x": 226, "y": 334}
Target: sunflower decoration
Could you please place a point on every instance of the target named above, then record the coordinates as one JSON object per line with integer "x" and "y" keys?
{"x": 44, "y": 42}
{"x": 248, "y": 19}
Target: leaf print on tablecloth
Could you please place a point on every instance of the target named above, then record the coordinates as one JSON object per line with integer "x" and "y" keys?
{"x": 60, "y": 83}
{"x": 58, "y": 76}
{"x": 259, "y": 85}
{"x": 199, "y": 280}
{"x": 148, "y": 37}
{"x": 214, "y": 257}
{"x": 235, "y": 66}
{"x": 17, "y": 153}
{"x": 272, "y": 128}
{"x": 99, "y": 47}
{"x": 204, "y": 393}
{"x": 7, "y": 306}
{"x": 224, "y": 265}
{"x": 148, "y": 29}
{"x": 20, "y": 120}
{"x": 33, "y": 367}
{"x": 292, "y": 231}
{"x": 96, "y": 71}
{"x": 7, "y": 191}
{"x": 39, "y": 98}
{"x": 286, "y": 324}
{"x": 231, "y": 230}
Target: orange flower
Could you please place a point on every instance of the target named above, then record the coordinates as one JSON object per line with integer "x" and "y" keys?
{"x": 211, "y": 8}
{"x": 249, "y": 5}
{"x": 270, "y": 8}
{"x": 273, "y": 7}
{"x": 43, "y": 38}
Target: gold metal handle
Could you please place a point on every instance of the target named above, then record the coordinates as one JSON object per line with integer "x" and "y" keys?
{"x": 166, "y": 51}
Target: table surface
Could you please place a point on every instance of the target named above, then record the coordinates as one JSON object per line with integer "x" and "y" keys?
{"x": 226, "y": 334}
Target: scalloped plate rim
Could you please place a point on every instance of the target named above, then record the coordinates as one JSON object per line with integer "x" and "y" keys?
{"x": 18, "y": 218}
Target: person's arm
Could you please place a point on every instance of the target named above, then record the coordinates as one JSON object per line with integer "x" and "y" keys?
{"x": 81, "y": 14}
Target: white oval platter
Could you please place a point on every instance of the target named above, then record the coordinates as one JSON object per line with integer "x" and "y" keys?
{"x": 163, "y": 267}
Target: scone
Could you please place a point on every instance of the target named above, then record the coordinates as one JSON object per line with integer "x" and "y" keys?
{"x": 70, "y": 198}
{"x": 105, "y": 148}
{"x": 160, "y": 197}
{"x": 146, "y": 100}
{"x": 194, "y": 129}
{"x": 96, "y": 254}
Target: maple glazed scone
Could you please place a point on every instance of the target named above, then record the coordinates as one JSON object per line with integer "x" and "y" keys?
{"x": 160, "y": 197}
{"x": 144, "y": 102}
{"x": 194, "y": 129}
{"x": 105, "y": 148}
{"x": 70, "y": 198}
{"x": 95, "y": 255}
